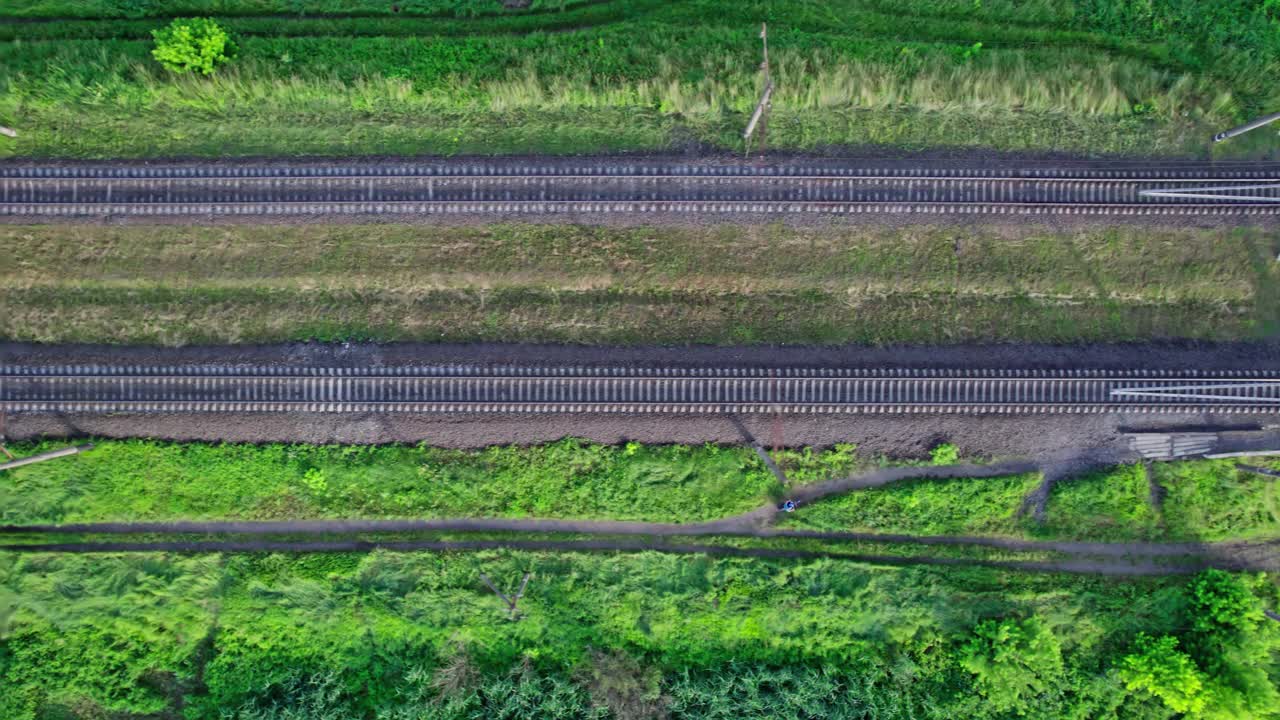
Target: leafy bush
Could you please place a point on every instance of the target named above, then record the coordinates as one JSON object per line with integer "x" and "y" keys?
{"x": 193, "y": 44}
{"x": 1013, "y": 661}
{"x": 1232, "y": 645}
{"x": 294, "y": 637}
{"x": 1160, "y": 668}
{"x": 1223, "y": 610}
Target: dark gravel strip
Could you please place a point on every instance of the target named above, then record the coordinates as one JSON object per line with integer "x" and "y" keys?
{"x": 1168, "y": 355}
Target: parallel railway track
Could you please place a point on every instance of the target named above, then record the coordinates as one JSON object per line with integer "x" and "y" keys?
{"x": 558, "y": 389}
{"x": 602, "y": 187}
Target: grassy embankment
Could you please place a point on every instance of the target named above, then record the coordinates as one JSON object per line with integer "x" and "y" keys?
{"x": 1085, "y": 76}
{"x": 401, "y": 635}
{"x": 726, "y": 285}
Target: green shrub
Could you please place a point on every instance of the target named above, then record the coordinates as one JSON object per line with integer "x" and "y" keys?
{"x": 193, "y": 44}
{"x": 945, "y": 454}
{"x": 1222, "y": 610}
{"x": 1160, "y": 668}
{"x": 1012, "y": 661}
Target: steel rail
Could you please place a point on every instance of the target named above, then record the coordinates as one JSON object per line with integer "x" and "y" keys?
{"x": 1273, "y": 175}
{"x": 245, "y": 190}
{"x": 298, "y": 209}
{"x": 529, "y": 389}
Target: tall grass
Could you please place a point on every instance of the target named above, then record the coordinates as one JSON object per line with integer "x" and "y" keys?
{"x": 999, "y": 81}
{"x": 1035, "y": 79}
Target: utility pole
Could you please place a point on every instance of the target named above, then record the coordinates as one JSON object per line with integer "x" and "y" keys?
{"x": 760, "y": 117}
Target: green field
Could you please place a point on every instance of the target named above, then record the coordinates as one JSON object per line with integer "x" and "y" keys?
{"x": 641, "y": 635}
{"x": 175, "y": 285}
{"x": 1090, "y": 76}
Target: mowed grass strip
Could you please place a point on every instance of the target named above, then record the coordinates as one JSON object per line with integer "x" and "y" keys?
{"x": 726, "y": 284}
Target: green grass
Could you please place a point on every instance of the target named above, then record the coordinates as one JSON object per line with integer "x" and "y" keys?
{"x": 984, "y": 506}
{"x": 725, "y": 285}
{"x": 1213, "y": 500}
{"x": 1112, "y": 504}
{"x": 646, "y": 75}
{"x": 1206, "y": 500}
{"x": 144, "y": 480}
{"x": 139, "y": 480}
{"x": 404, "y": 635}
{"x": 363, "y": 636}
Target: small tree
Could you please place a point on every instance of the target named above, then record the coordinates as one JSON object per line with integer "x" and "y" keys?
{"x": 1160, "y": 668}
{"x": 192, "y": 44}
{"x": 1223, "y": 610}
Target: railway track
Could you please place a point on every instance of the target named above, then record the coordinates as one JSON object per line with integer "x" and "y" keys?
{"x": 622, "y": 187}
{"x": 559, "y": 389}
